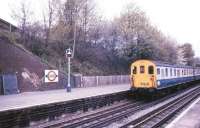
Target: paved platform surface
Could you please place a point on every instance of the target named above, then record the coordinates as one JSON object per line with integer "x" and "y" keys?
{"x": 189, "y": 118}
{"x": 28, "y": 99}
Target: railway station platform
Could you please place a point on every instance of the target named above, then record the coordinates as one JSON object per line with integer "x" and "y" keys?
{"x": 39, "y": 98}
{"x": 189, "y": 118}
{"x": 25, "y": 109}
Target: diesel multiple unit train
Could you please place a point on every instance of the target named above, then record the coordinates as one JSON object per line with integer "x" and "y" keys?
{"x": 153, "y": 76}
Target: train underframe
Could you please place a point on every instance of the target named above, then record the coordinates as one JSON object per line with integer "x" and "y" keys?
{"x": 159, "y": 92}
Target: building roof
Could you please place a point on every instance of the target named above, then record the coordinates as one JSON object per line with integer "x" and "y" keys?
{"x": 7, "y": 23}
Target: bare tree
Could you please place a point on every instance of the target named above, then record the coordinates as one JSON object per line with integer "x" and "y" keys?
{"x": 70, "y": 14}
{"x": 197, "y": 61}
{"x": 181, "y": 60}
{"x": 22, "y": 15}
{"x": 141, "y": 40}
{"x": 48, "y": 19}
{"x": 87, "y": 18}
{"x": 188, "y": 53}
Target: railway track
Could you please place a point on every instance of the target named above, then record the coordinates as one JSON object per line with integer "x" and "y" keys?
{"x": 106, "y": 117}
{"x": 161, "y": 115}
{"x": 75, "y": 122}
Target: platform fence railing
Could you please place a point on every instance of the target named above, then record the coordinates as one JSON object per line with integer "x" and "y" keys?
{"x": 90, "y": 81}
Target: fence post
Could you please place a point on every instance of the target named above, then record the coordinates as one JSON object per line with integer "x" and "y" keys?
{"x": 120, "y": 79}
{"x": 97, "y": 80}
{"x": 82, "y": 82}
{"x": 81, "y": 85}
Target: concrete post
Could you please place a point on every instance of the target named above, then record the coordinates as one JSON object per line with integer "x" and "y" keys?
{"x": 121, "y": 79}
{"x": 97, "y": 80}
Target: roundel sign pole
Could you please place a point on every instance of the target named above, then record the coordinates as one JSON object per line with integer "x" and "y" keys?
{"x": 68, "y": 55}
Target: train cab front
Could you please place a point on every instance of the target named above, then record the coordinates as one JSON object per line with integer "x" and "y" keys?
{"x": 143, "y": 76}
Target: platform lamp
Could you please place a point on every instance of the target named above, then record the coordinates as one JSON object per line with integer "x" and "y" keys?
{"x": 68, "y": 54}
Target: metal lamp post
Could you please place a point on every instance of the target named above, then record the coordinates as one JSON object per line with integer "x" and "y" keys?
{"x": 68, "y": 54}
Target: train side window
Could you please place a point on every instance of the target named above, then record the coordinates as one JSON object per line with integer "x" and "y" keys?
{"x": 150, "y": 70}
{"x": 166, "y": 71}
{"x": 134, "y": 70}
{"x": 170, "y": 71}
{"x": 178, "y": 72}
{"x": 162, "y": 72}
{"x": 142, "y": 69}
{"x": 158, "y": 71}
{"x": 174, "y": 72}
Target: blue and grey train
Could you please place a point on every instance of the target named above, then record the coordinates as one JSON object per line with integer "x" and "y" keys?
{"x": 154, "y": 75}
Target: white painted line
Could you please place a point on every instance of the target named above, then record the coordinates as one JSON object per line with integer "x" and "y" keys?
{"x": 182, "y": 114}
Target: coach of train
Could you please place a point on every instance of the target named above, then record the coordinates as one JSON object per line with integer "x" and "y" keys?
{"x": 153, "y": 75}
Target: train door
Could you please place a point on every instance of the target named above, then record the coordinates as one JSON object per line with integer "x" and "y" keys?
{"x": 152, "y": 76}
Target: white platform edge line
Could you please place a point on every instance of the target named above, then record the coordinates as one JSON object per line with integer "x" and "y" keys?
{"x": 182, "y": 114}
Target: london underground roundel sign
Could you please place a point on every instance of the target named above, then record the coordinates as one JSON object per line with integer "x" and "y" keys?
{"x": 51, "y": 75}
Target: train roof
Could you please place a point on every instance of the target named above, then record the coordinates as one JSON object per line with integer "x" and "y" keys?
{"x": 166, "y": 64}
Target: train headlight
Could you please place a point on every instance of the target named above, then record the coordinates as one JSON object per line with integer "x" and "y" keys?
{"x": 158, "y": 83}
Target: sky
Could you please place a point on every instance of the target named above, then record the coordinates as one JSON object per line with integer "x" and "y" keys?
{"x": 180, "y": 19}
